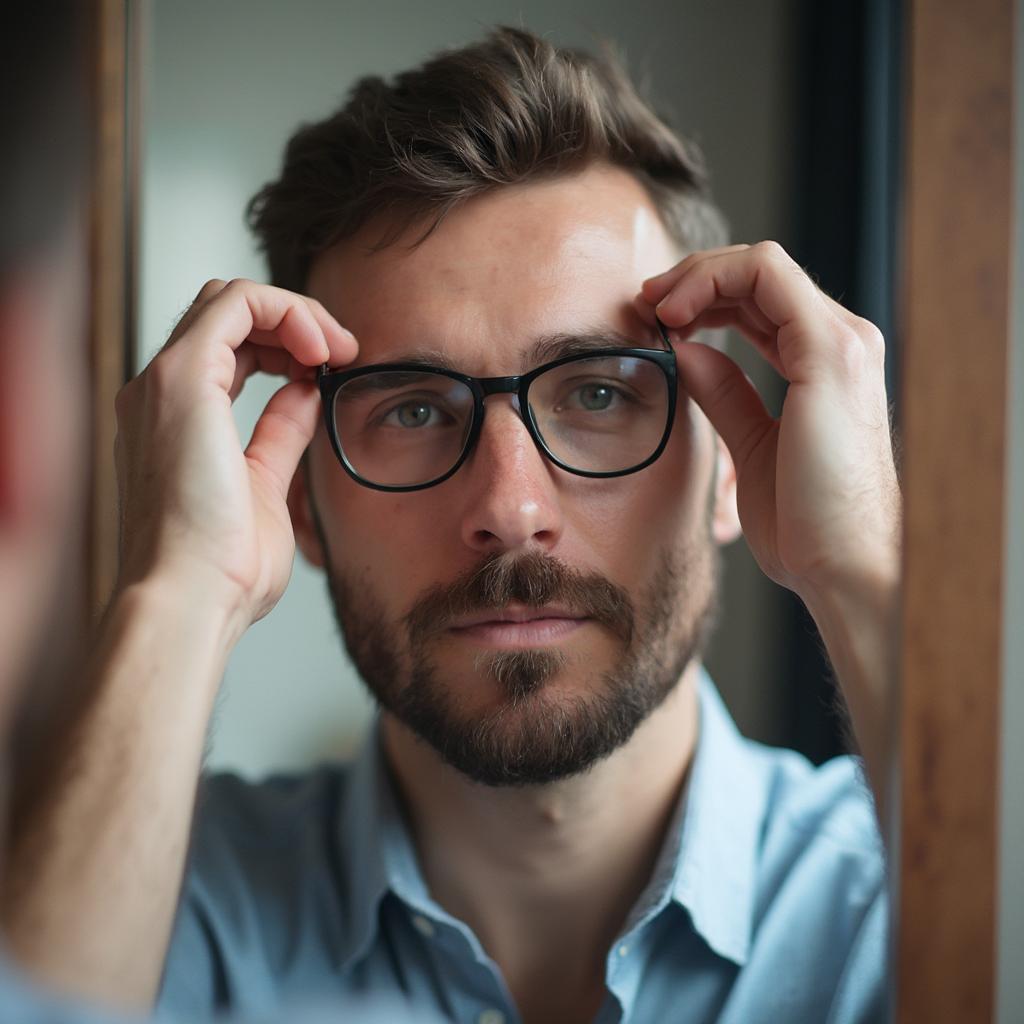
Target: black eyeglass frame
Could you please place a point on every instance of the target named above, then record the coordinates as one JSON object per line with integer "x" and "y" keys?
{"x": 331, "y": 381}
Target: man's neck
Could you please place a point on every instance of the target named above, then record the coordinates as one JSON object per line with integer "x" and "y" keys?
{"x": 546, "y": 876}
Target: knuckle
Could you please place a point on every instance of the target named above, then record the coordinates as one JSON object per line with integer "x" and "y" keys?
{"x": 772, "y": 249}
{"x": 872, "y": 337}
{"x": 211, "y": 288}
{"x": 158, "y": 376}
{"x": 849, "y": 350}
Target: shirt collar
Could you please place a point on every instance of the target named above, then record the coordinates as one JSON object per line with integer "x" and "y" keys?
{"x": 707, "y": 864}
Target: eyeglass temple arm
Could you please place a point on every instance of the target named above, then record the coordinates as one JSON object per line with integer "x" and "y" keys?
{"x": 663, "y": 331}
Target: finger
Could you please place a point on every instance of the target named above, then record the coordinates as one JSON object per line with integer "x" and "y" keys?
{"x": 206, "y": 293}
{"x": 739, "y": 318}
{"x": 734, "y": 317}
{"x": 250, "y": 359}
{"x": 271, "y": 339}
{"x": 645, "y": 309}
{"x": 341, "y": 342}
{"x": 299, "y": 325}
{"x": 751, "y": 314}
{"x": 779, "y": 288}
{"x": 727, "y": 397}
{"x": 654, "y": 289}
{"x": 283, "y": 432}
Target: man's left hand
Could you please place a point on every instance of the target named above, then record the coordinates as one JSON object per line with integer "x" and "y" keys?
{"x": 817, "y": 488}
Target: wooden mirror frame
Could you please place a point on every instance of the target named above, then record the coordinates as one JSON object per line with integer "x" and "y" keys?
{"x": 113, "y": 224}
{"x": 958, "y": 213}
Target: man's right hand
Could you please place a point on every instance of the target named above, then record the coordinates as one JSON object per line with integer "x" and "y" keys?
{"x": 197, "y": 511}
{"x": 207, "y": 548}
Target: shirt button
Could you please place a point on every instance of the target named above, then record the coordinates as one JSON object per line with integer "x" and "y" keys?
{"x": 623, "y": 950}
{"x": 491, "y": 1017}
{"x": 423, "y": 926}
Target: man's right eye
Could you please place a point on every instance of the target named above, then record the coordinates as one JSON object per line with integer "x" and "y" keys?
{"x": 414, "y": 414}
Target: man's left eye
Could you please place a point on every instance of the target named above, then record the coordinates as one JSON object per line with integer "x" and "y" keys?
{"x": 595, "y": 397}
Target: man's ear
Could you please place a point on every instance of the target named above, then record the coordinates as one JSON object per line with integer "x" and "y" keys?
{"x": 725, "y": 517}
{"x": 300, "y": 507}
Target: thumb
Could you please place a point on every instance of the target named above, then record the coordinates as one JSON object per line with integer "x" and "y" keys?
{"x": 284, "y": 430}
{"x": 724, "y": 392}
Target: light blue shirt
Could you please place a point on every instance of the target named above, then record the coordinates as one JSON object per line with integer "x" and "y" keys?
{"x": 767, "y": 902}
{"x": 22, "y": 1002}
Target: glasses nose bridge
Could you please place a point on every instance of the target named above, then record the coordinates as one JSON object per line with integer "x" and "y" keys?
{"x": 502, "y": 386}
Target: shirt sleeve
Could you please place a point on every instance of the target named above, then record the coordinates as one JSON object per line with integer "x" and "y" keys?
{"x": 194, "y": 985}
{"x": 253, "y": 849}
{"x": 862, "y": 993}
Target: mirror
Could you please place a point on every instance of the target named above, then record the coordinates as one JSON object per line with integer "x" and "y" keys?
{"x": 799, "y": 131}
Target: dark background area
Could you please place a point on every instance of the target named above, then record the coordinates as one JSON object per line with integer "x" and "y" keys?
{"x": 845, "y": 215}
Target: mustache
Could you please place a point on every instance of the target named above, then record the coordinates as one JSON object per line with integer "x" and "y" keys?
{"x": 532, "y": 579}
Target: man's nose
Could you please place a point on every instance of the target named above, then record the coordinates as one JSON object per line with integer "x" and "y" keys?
{"x": 513, "y": 500}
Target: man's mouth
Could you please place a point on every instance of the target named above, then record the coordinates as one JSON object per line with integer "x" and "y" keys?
{"x": 518, "y": 626}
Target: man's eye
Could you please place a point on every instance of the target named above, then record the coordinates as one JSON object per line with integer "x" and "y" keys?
{"x": 413, "y": 414}
{"x": 596, "y": 396}
{"x": 593, "y": 397}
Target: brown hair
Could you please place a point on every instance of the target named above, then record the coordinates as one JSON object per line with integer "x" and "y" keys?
{"x": 510, "y": 109}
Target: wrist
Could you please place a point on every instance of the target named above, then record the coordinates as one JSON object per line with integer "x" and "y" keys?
{"x": 194, "y": 605}
{"x": 870, "y": 590}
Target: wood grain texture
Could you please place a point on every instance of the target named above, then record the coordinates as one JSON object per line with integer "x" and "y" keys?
{"x": 109, "y": 289}
{"x": 955, "y": 313}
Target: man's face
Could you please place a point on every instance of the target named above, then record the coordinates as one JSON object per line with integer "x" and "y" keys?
{"x": 615, "y": 578}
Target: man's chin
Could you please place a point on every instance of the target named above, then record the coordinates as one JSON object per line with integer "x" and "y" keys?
{"x": 533, "y": 740}
{"x": 518, "y": 674}
{"x": 519, "y": 733}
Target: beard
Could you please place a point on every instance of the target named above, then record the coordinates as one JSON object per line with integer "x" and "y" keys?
{"x": 536, "y": 734}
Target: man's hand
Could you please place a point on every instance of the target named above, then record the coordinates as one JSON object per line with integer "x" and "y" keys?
{"x": 817, "y": 488}
{"x": 195, "y": 507}
{"x": 207, "y": 548}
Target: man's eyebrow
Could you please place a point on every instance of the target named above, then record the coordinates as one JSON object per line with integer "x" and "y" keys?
{"x": 425, "y": 357}
{"x": 572, "y": 343}
{"x": 544, "y": 349}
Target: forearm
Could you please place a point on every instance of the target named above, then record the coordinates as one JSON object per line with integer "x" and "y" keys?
{"x": 859, "y": 624}
{"x": 91, "y": 887}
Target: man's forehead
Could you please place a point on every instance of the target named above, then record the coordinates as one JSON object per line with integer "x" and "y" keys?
{"x": 524, "y": 272}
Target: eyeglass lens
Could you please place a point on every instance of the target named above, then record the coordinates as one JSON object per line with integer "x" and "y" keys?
{"x": 598, "y": 415}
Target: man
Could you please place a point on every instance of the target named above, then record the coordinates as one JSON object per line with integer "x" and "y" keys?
{"x": 518, "y": 470}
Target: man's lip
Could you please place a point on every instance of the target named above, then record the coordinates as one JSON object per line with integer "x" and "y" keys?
{"x": 514, "y": 614}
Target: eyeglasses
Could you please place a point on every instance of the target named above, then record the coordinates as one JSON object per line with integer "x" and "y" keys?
{"x": 406, "y": 426}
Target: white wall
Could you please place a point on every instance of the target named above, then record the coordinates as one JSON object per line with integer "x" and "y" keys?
{"x": 227, "y": 82}
{"x": 1011, "y": 853}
